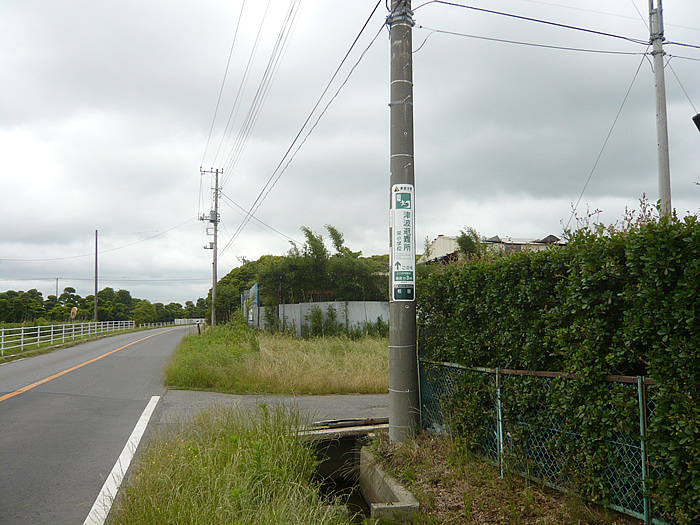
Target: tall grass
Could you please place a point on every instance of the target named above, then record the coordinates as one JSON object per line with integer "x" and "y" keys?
{"x": 227, "y": 466}
{"x": 234, "y": 359}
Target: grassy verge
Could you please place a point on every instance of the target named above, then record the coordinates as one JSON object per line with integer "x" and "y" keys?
{"x": 227, "y": 466}
{"x": 454, "y": 487}
{"x": 236, "y": 467}
{"x": 234, "y": 359}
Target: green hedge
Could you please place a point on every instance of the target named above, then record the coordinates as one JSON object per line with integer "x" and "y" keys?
{"x": 609, "y": 303}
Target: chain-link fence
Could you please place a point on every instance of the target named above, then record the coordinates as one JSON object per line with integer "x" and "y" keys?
{"x": 511, "y": 421}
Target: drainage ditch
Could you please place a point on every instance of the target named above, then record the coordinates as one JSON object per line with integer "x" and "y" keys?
{"x": 338, "y": 444}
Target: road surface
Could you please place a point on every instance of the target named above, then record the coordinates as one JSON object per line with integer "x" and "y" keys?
{"x": 65, "y": 418}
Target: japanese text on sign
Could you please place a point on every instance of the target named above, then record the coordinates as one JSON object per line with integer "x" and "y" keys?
{"x": 403, "y": 243}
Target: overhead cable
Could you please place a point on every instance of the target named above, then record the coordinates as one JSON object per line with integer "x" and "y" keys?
{"x": 262, "y": 91}
{"x": 531, "y": 44}
{"x": 537, "y": 20}
{"x": 223, "y": 81}
{"x": 228, "y": 200}
{"x": 92, "y": 254}
{"x": 241, "y": 86}
{"x": 290, "y": 153}
{"x": 605, "y": 143}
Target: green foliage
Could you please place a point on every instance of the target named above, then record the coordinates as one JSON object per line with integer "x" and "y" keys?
{"x": 322, "y": 324}
{"x": 233, "y": 284}
{"x": 470, "y": 242}
{"x": 207, "y": 361}
{"x": 237, "y": 359}
{"x": 662, "y": 328}
{"x": 30, "y": 307}
{"x": 307, "y": 272}
{"x": 615, "y": 301}
{"x": 228, "y": 466}
{"x": 144, "y": 313}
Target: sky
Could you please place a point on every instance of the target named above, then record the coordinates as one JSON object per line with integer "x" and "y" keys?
{"x": 113, "y": 116}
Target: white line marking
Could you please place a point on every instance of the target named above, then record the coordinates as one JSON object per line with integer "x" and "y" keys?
{"x": 103, "y": 504}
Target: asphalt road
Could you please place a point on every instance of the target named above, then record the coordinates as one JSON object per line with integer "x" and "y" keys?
{"x": 66, "y": 416}
{"x": 60, "y": 439}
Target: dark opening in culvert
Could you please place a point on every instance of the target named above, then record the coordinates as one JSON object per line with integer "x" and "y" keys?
{"x": 338, "y": 445}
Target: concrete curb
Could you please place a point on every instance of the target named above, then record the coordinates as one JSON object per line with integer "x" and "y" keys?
{"x": 386, "y": 497}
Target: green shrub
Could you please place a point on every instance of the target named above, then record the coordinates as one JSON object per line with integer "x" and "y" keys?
{"x": 612, "y": 302}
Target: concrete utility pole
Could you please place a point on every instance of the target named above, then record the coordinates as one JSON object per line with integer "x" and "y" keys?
{"x": 95, "y": 316}
{"x": 656, "y": 24}
{"x": 403, "y": 360}
{"x": 215, "y": 254}
{"x": 213, "y": 218}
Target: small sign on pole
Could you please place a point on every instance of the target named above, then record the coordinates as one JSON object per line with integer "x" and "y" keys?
{"x": 403, "y": 245}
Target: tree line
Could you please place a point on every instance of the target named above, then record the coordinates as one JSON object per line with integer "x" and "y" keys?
{"x": 319, "y": 270}
{"x": 119, "y": 305}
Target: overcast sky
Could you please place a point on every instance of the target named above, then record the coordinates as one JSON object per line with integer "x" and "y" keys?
{"x": 109, "y": 109}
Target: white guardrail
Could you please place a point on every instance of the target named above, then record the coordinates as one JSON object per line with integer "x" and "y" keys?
{"x": 19, "y": 339}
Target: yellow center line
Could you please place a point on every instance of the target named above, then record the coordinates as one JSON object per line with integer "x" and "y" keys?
{"x": 64, "y": 372}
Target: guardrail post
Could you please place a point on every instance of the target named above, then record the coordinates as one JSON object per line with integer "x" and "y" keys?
{"x": 21, "y": 339}
{"x": 2, "y": 341}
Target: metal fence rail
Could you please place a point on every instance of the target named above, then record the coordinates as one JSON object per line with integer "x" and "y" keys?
{"x": 526, "y": 448}
{"x": 17, "y": 340}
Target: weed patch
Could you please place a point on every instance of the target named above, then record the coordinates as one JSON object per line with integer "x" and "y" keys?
{"x": 227, "y": 466}
{"x": 232, "y": 358}
{"x": 455, "y": 487}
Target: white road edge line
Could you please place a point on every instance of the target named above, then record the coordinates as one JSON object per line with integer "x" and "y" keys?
{"x": 103, "y": 504}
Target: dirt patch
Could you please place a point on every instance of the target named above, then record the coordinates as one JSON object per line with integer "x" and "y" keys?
{"x": 453, "y": 487}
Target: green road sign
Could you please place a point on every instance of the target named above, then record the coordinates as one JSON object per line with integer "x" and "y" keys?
{"x": 403, "y": 243}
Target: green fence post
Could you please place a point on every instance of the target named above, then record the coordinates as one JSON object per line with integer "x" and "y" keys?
{"x": 641, "y": 391}
{"x": 499, "y": 420}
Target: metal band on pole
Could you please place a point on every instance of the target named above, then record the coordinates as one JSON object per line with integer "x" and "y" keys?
{"x": 403, "y": 360}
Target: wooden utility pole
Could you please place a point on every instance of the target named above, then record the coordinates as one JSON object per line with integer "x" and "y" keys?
{"x": 403, "y": 360}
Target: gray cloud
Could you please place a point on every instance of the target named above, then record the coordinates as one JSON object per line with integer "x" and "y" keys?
{"x": 105, "y": 110}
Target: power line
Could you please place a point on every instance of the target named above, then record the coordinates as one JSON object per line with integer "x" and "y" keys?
{"x": 262, "y": 91}
{"x": 683, "y": 58}
{"x": 231, "y": 202}
{"x": 244, "y": 81}
{"x": 670, "y": 43}
{"x": 537, "y": 20}
{"x": 668, "y": 63}
{"x": 223, "y": 81}
{"x": 556, "y": 24}
{"x": 605, "y": 142}
{"x": 531, "y": 44}
{"x": 276, "y": 174}
{"x": 92, "y": 254}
